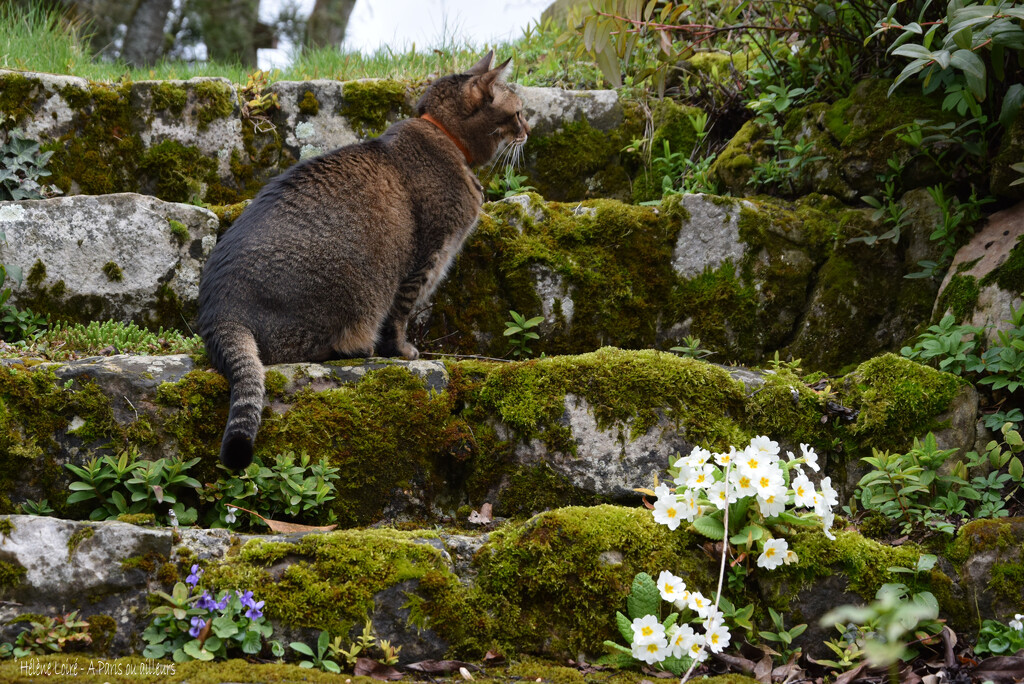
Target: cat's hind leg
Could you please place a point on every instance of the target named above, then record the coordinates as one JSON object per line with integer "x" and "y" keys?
{"x": 392, "y": 338}
{"x": 356, "y": 341}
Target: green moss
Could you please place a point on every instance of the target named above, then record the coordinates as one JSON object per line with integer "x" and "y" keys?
{"x": 332, "y": 578}
{"x": 6, "y": 527}
{"x": 169, "y": 97}
{"x": 1010, "y": 274}
{"x": 617, "y": 295}
{"x": 11, "y": 575}
{"x": 960, "y": 297}
{"x": 176, "y": 172}
{"x": 580, "y": 162}
{"x": 308, "y": 104}
{"x": 733, "y": 165}
{"x": 227, "y": 213}
{"x": 18, "y": 95}
{"x": 898, "y": 400}
{"x": 168, "y": 574}
{"x": 102, "y": 629}
{"x": 180, "y": 231}
{"x": 370, "y": 104}
{"x": 77, "y": 537}
{"x": 275, "y": 382}
{"x": 99, "y": 154}
{"x": 556, "y": 582}
{"x": 113, "y": 272}
{"x": 33, "y": 407}
{"x": 215, "y": 99}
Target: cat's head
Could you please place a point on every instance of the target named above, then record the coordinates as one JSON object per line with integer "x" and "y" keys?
{"x": 480, "y": 109}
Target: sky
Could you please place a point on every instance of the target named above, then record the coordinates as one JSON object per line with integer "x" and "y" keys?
{"x": 402, "y": 23}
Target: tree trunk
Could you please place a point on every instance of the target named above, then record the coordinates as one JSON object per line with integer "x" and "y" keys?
{"x": 228, "y": 28}
{"x": 326, "y": 25}
{"x": 144, "y": 41}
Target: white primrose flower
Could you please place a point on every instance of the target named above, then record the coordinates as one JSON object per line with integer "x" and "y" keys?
{"x": 698, "y": 457}
{"x": 810, "y": 457}
{"x": 679, "y": 639}
{"x": 700, "y": 604}
{"x": 772, "y": 505}
{"x": 670, "y": 586}
{"x": 682, "y": 602}
{"x": 714, "y": 619}
{"x": 690, "y": 509}
{"x": 773, "y": 554}
{"x": 1017, "y": 622}
{"x": 768, "y": 448}
{"x": 742, "y": 483}
{"x": 830, "y": 497}
{"x": 647, "y": 629}
{"x": 717, "y": 638}
{"x": 769, "y": 482}
{"x": 667, "y": 509}
{"x": 701, "y": 477}
{"x": 697, "y": 650}
{"x": 803, "y": 491}
{"x": 716, "y": 494}
{"x": 724, "y": 459}
{"x": 653, "y": 652}
{"x": 827, "y": 518}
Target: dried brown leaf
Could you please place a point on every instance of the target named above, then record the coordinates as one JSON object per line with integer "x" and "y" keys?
{"x": 437, "y": 666}
{"x": 1000, "y": 669}
{"x": 371, "y": 668}
{"x": 289, "y": 528}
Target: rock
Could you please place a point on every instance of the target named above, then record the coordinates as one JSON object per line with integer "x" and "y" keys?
{"x": 193, "y": 140}
{"x": 983, "y": 284}
{"x": 78, "y": 566}
{"x": 710, "y": 237}
{"x": 123, "y": 257}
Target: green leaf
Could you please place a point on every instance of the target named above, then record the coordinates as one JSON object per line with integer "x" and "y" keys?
{"x": 1016, "y": 468}
{"x": 81, "y": 496}
{"x": 224, "y": 627}
{"x": 617, "y": 647}
{"x": 625, "y": 627}
{"x": 252, "y": 643}
{"x": 644, "y": 598}
{"x": 301, "y": 648}
{"x": 712, "y": 528}
{"x": 331, "y": 666}
{"x": 193, "y": 649}
{"x": 1012, "y": 102}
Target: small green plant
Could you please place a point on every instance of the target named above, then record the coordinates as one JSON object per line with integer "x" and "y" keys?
{"x": 957, "y": 218}
{"x": 691, "y": 348}
{"x": 848, "y": 647}
{"x": 32, "y": 507}
{"x": 127, "y": 485}
{"x": 897, "y": 615}
{"x": 507, "y": 184}
{"x": 906, "y": 487}
{"x": 783, "y": 637}
{"x": 292, "y": 488}
{"x": 47, "y": 635}
{"x": 519, "y": 332}
{"x": 319, "y": 659}
{"x": 997, "y": 638}
{"x": 16, "y": 325}
{"x": 330, "y": 652}
{"x": 887, "y": 210}
{"x": 22, "y": 165}
{"x": 63, "y": 340}
{"x": 195, "y": 626}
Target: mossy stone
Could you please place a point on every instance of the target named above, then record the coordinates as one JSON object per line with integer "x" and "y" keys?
{"x": 370, "y": 104}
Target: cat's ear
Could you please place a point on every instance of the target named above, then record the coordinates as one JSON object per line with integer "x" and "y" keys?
{"x": 485, "y": 82}
{"x": 483, "y": 66}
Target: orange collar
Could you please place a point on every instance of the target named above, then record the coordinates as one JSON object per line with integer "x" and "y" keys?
{"x": 458, "y": 143}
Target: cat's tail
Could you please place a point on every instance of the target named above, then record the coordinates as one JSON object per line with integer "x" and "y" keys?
{"x": 239, "y": 360}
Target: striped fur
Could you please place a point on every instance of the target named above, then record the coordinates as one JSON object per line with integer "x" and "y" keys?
{"x": 333, "y": 255}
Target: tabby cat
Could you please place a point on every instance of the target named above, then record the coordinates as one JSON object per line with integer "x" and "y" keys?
{"x": 332, "y": 256}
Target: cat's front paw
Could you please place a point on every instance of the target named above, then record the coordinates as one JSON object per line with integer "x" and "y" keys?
{"x": 409, "y": 352}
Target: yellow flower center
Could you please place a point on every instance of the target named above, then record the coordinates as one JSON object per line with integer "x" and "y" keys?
{"x": 671, "y": 512}
{"x": 744, "y": 481}
{"x": 652, "y": 648}
{"x": 714, "y": 638}
{"x": 647, "y": 631}
{"x": 769, "y": 552}
{"x": 669, "y": 589}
